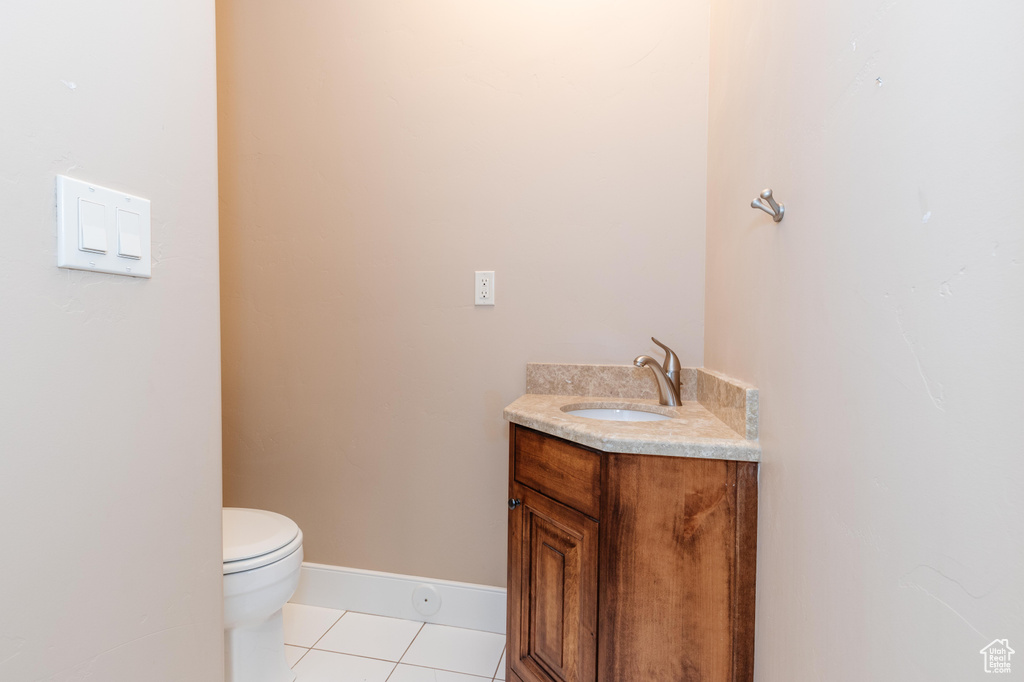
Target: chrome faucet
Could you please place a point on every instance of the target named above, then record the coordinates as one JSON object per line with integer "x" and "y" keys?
{"x": 667, "y": 376}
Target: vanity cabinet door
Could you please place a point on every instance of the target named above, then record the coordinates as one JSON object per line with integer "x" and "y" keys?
{"x": 552, "y": 590}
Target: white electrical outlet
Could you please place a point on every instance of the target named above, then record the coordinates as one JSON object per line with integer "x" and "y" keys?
{"x": 484, "y": 287}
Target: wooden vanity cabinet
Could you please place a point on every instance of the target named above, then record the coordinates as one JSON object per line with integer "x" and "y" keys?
{"x": 628, "y": 568}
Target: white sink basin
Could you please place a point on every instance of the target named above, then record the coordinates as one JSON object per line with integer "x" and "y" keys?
{"x": 618, "y": 415}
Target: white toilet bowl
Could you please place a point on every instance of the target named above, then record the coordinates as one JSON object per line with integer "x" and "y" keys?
{"x": 262, "y": 558}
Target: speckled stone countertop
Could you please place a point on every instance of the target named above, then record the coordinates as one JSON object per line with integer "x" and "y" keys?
{"x": 693, "y": 431}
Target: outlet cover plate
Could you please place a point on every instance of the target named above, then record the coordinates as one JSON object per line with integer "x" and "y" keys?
{"x": 483, "y": 285}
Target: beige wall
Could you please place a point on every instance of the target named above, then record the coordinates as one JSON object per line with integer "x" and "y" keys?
{"x": 373, "y": 155}
{"x": 109, "y": 386}
{"x": 882, "y": 320}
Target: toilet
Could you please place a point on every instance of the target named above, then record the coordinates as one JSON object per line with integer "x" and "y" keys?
{"x": 262, "y": 558}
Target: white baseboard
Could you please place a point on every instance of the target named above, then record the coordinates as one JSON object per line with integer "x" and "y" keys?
{"x": 463, "y": 605}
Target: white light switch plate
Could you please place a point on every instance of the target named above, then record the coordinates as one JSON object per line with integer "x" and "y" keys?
{"x": 102, "y": 230}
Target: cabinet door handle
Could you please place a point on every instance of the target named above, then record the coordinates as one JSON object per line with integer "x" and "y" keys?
{"x": 513, "y": 503}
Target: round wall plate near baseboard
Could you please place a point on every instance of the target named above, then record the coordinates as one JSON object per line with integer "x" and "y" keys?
{"x": 426, "y": 600}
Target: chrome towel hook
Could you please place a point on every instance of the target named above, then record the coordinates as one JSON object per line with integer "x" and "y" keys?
{"x": 773, "y": 209}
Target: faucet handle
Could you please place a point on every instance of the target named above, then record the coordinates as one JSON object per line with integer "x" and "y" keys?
{"x": 671, "y": 363}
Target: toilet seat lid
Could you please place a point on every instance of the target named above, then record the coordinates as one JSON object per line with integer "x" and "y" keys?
{"x": 251, "y": 533}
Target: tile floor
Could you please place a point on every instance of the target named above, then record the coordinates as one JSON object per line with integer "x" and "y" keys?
{"x": 327, "y": 645}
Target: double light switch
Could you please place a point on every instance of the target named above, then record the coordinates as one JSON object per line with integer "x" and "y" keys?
{"x": 102, "y": 229}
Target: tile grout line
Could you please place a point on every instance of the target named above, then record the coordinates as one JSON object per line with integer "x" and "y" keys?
{"x": 414, "y": 637}
{"x": 306, "y": 651}
{"x": 457, "y": 672}
{"x": 384, "y": 660}
{"x": 422, "y": 625}
{"x": 310, "y": 648}
{"x": 328, "y": 630}
{"x": 345, "y": 653}
{"x": 366, "y": 658}
{"x": 446, "y": 670}
{"x": 396, "y": 663}
{"x": 504, "y": 650}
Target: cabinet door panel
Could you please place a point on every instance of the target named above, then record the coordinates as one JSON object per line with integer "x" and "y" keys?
{"x": 670, "y": 593}
{"x": 553, "y": 589}
{"x": 554, "y": 567}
